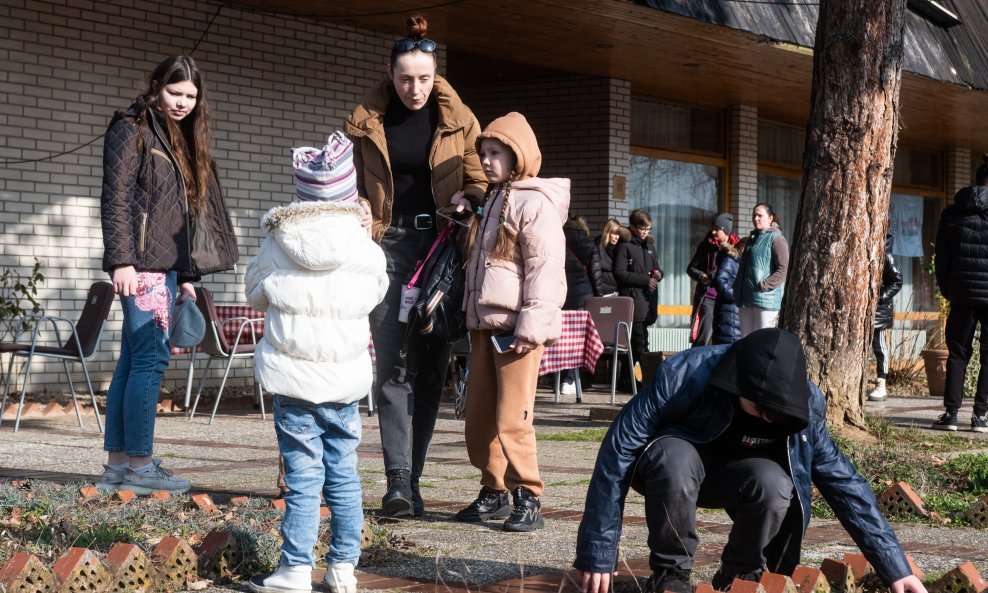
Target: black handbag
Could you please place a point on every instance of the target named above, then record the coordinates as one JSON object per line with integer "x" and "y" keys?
{"x": 438, "y": 313}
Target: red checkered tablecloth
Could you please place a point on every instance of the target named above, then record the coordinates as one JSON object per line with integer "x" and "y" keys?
{"x": 579, "y": 345}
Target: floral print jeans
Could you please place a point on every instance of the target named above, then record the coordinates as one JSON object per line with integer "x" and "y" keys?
{"x": 132, "y": 400}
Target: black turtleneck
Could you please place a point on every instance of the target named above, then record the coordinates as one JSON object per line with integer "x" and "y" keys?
{"x": 409, "y": 135}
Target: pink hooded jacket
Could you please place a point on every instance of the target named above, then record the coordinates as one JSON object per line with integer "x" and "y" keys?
{"x": 522, "y": 295}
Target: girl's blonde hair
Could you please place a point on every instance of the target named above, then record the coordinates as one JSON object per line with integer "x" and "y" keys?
{"x": 611, "y": 226}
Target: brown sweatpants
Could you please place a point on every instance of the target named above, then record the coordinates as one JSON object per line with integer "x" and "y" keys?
{"x": 499, "y": 415}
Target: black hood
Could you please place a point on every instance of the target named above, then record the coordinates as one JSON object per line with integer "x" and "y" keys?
{"x": 973, "y": 198}
{"x": 768, "y": 367}
{"x": 889, "y": 242}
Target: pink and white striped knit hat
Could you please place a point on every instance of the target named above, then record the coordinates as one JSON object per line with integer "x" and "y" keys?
{"x": 325, "y": 175}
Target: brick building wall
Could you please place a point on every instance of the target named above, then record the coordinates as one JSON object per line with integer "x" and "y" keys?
{"x": 273, "y": 82}
{"x": 743, "y": 158}
{"x": 583, "y": 127}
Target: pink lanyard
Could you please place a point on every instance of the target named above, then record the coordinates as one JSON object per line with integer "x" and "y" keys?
{"x": 421, "y": 263}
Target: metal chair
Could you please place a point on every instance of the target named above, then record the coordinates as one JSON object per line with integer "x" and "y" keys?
{"x": 613, "y": 317}
{"x": 215, "y": 345}
{"x": 81, "y": 346}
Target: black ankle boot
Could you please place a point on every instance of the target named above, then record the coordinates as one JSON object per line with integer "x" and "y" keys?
{"x": 670, "y": 579}
{"x": 725, "y": 575}
{"x": 526, "y": 514}
{"x": 398, "y": 500}
{"x": 418, "y": 506}
{"x": 490, "y": 504}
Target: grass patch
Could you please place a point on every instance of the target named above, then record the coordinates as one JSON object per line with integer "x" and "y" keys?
{"x": 948, "y": 486}
{"x": 591, "y": 435}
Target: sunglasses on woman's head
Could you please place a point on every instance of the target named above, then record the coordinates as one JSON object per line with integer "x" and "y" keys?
{"x": 406, "y": 44}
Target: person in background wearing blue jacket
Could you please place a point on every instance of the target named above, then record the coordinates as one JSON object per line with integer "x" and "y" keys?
{"x": 738, "y": 428}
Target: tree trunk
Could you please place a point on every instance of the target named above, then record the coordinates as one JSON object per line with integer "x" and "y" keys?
{"x": 835, "y": 263}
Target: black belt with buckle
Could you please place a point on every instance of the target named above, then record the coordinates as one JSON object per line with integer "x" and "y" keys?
{"x": 419, "y": 222}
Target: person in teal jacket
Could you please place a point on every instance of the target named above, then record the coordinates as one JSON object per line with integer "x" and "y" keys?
{"x": 761, "y": 272}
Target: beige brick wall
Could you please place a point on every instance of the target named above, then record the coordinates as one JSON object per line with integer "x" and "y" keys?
{"x": 273, "y": 82}
{"x": 958, "y": 170}
{"x": 743, "y": 159}
{"x": 583, "y": 125}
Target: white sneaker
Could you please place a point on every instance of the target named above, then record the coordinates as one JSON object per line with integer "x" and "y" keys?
{"x": 878, "y": 393}
{"x": 287, "y": 579}
{"x": 340, "y": 578}
{"x": 567, "y": 388}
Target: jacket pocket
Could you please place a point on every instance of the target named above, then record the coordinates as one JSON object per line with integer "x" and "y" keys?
{"x": 501, "y": 285}
{"x": 167, "y": 159}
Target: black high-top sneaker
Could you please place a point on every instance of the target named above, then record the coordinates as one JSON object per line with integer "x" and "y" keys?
{"x": 398, "y": 500}
{"x": 490, "y": 504}
{"x": 527, "y": 512}
{"x": 670, "y": 579}
{"x": 724, "y": 577}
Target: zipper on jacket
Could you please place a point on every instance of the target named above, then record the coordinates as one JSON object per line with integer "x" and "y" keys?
{"x": 142, "y": 237}
{"x": 185, "y": 193}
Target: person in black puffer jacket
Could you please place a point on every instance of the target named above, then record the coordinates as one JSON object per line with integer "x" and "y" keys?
{"x": 726, "y": 324}
{"x": 583, "y": 275}
{"x": 962, "y": 275}
{"x": 636, "y": 267}
{"x": 158, "y": 178}
{"x": 607, "y": 242}
{"x": 884, "y": 316}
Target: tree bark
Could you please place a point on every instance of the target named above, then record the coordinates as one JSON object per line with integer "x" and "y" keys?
{"x": 835, "y": 264}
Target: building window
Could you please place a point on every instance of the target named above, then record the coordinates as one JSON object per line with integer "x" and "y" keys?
{"x": 682, "y": 198}
{"x": 781, "y": 192}
{"x": 918, "y": 168}
{"x": 780, "y": 145}
{"x": 676, "y": 127}
{"x": 913, "y": 221}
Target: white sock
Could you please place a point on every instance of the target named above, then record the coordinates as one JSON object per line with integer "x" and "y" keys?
{"x": 117, "y": 466}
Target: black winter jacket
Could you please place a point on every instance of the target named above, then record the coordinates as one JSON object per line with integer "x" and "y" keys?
{"x": 633, "y": 261}
{"x": 583, "y": 274}
{"x": 677, "y": 402}
{"x": 143, "y": 204}
{"x": 727, "y": 324}
{"x": 891, "y": 285}
{"x": 961, "y": 258}
{"x": 703, "y": 262}
{"x": 608, "y": 283}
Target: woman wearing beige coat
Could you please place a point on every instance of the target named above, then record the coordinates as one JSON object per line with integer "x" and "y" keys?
{"x": 413, "y": 150}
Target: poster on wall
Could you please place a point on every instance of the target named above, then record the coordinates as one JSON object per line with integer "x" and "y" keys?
{"x": 906, "y": 225}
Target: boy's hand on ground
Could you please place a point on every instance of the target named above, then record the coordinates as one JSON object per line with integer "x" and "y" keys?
{"x": 599, "y": 582}
{"x": 909, "y": 584}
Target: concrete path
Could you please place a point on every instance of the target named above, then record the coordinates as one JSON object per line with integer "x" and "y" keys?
{"x": 238, "y": 454}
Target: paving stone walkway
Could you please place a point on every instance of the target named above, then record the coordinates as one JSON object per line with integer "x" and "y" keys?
{"x": 237, "y": 455}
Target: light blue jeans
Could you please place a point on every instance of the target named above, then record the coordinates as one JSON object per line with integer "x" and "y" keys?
{"x": 132, "y": 400}
{"x": 319, "y": 446}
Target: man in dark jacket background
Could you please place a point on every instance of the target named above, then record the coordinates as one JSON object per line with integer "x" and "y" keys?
{"x": 637, "y": 270}
{"x": 884, "y": 317}
{"x": 962, "y": 275}
{"x": 739, "y": 428}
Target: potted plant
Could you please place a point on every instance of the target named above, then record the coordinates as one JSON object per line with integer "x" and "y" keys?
{"x": 935, "y": 354}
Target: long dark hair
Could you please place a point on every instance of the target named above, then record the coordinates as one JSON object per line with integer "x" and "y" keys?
{"x": 192, "y": 138}
{"x": 773, "y": 217}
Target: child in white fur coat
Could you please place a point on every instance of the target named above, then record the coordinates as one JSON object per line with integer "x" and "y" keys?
{"x": 317, "y": 276}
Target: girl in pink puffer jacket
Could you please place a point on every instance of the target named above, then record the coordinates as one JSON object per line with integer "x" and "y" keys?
{"x": 515, "y": 286}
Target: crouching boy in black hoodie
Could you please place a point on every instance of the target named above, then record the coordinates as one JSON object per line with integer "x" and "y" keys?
{"x": 738, "y": 428}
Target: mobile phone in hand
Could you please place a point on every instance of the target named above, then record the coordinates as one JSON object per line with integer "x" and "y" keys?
{"x": 503, "y": 342}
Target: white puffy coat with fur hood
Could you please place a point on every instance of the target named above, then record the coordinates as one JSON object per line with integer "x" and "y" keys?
{"x": 317, "y": 276}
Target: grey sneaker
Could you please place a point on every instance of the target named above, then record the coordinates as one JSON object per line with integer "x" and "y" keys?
{"x": 111, "y": 479}
{"x": 979, "y": 423}
{"x": 157, "y": 479}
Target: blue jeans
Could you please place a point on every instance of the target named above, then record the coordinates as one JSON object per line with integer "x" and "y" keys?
{"x": 132, "y": 400}
{"x": 319, "y": 445}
